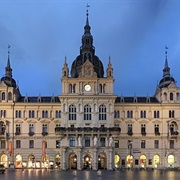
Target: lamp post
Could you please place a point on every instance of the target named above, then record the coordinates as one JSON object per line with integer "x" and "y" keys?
{"x": 13, "y": 130}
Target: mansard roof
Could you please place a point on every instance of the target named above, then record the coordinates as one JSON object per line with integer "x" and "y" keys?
{"x": 39, "y": 99}
{"x": 136, "y": 100}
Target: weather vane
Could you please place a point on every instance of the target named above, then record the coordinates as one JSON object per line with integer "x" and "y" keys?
{"x": 87, "y": 7}
{"x": 166, "y": 47}
{"x": 9, "y": 49}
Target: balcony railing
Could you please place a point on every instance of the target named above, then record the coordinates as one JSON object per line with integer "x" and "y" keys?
{"x": 31, "y": 133}
{"x": 112, "y": 130}
{"x": 44, "y": 133}
{"x": 143, "y": 133}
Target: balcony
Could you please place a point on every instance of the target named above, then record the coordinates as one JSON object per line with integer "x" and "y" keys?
{"x": 157, "y": 133}
{"x": 17, "y": 133}
{"x": 44, "y": 133}
{"x": 31, "y": 133}
{"x": 94, "y": 130}
{"x": 130, "y": 133}
{"x": 2, "y": 133}
{"x": 115, "y": 130}
{"x": 173, "y": 134}
{"x": 143, "y": 133}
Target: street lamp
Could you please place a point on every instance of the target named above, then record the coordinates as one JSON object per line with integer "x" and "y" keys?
{"x": 13, "y": 130}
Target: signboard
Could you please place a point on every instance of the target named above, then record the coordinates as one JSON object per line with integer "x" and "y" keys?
{"x": 136, "y": 151}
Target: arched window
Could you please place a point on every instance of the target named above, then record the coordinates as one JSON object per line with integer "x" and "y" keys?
{"x": 3, "y": 96}
{"x": 87, "y": 112}
{"x": 72, "y": 112}
{"x": 102, "y": 112}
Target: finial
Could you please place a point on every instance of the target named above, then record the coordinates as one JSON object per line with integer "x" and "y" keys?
{"x": 8, "y": 50}
{"x": 87, "y": 9}
{"x": 166, "y": 48}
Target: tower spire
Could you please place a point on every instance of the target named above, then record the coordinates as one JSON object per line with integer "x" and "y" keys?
{"x": 87, "y": 14}
{"x": 8, "y": 70}
{"x": 167, "y": 78}
{"x": 87, "y": 48}
{"x": 166, "y": 70}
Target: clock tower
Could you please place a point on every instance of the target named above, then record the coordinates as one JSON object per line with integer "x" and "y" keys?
{"x": 87, "y": 99}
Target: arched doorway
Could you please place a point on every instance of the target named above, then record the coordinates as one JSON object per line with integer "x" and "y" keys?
{"x": 143, "y": 161}
{"x": 102, "y": 161}
{"x": 58, "y": 161}
{"x": 31, "y": 161}
{"x": 117, "y": 161}
{"x": 45, "y": 161}
{"x": 87, "y": 161}
{"x": 156, "y": 161}
{"x": 4, "y": 160}
{"x": 129, "y": 161}
{"x": 18, "y": 163}
{"x": 171, "y": 160}
{"x": 72, "y": 161}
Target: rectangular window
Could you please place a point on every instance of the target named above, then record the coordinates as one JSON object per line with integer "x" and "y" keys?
{"x": 31, "y": 143}
{"x": 156, "y": 144}
{"x": 18, "y": 129}
{"x": 143, "y": 144}
{"x": 129, "y": 114}
{"x": 18, "y": 144}
{"x": 171, "y": 114}
{"x": 31, "y": 128}
{"x": 116, "y": 144}
{"x": 143, "y": 114}
{"x": 156, "y": 114}
{"x": 129, "y": 129}
{"x": 87, "y": 141}
{"x": 156, "y": 129}
{"x": 171, "y": 144}
{"x": 102, "y": 142}
{"x": 3, "y": 144}
{"x": 71, "y": 141}
{"x": 44, "y": 128}
{"x": 136, "y": 161}
{"x": 58, "y": 143}
{"x": 143, "y": 129}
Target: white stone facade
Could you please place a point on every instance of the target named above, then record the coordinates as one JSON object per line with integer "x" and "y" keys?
{"x": 88, "y": 126}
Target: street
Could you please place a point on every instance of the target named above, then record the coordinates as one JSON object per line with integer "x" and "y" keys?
{"x": 38, "y": 174}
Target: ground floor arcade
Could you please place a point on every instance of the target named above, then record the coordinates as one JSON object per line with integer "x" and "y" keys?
{"x": 95, "y": 158}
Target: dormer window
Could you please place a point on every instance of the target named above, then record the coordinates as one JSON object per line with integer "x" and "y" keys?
{"x": 52, "y": 99}
{"x": 39, "y": 99}
{"x": 26, "y": 99}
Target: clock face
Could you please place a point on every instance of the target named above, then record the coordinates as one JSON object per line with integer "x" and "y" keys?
{"x": 87, "y": 87}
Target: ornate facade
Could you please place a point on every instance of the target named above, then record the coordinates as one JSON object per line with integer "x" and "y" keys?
{"x": 88, "y": 126}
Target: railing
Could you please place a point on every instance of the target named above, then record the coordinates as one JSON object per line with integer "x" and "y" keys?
{"x": 62, "y": 130}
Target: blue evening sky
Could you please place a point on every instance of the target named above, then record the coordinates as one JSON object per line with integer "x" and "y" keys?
{"x": 132, "y": 32}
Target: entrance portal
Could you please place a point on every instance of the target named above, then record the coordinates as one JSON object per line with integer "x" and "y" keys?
{"x": 87, "y": 162}
{"x": 102, "y": 161}
{"x": 73, "y": 161}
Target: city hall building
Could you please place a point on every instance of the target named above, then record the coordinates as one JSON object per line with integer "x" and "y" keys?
{"x": 87, "y": 126}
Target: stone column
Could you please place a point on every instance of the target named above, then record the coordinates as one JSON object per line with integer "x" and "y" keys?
{"x": 110, "y": 160}
{"x": 95, "y": 159}
{"x": 63, "y": 155}
{"x": 79, "y": 159}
